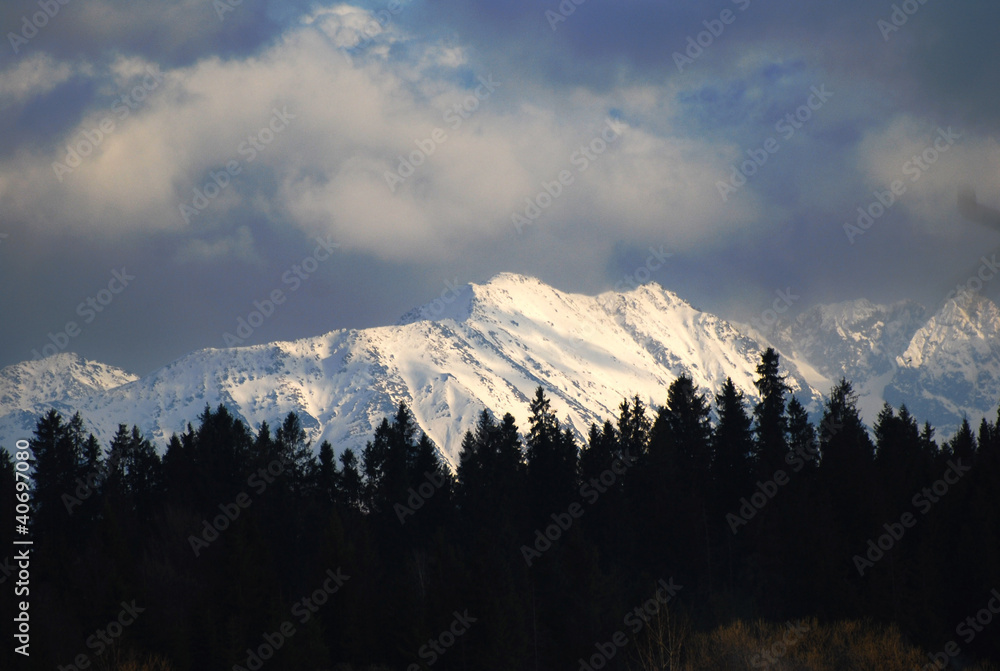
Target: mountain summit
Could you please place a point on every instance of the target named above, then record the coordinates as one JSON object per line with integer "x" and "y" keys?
{"x": 490, "y": 345}
{"x": 478, "y": 346}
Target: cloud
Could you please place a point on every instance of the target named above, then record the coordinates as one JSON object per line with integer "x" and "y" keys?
{"x": 239, "y": 246}
{"x": 363, "y": 87}
{"x": 933, "y": 163}
{"x": 32, "y": 77}
{"x": 486, "y": 147}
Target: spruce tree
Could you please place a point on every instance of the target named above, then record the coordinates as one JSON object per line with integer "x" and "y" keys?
{"x": 963, "y": 443}
{"x": 67, "y": 476}
{"x": 351, "y": 491}
{"x": 732, "y": 445}
{"x": 801, "y": 441}
{"x": 328, "y": 477}
{"x": 769, "y": 414}
{"x": 552, "y": 460}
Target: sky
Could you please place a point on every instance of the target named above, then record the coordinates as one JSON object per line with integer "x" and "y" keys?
{"x": 170, "y": 167}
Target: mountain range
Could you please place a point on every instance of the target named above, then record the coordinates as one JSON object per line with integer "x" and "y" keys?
{"x": 490, "y": 346}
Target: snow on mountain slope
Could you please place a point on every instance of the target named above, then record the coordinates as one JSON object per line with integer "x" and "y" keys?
{"x": 61, "y": 376}
{"x": 951, "y": 366}
{"x": 856, "y": 340}
{"x": 490, "y": 347}
{"x": 59, "y": 381}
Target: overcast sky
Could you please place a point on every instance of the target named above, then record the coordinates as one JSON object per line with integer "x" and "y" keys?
{"x": 173, "y": 161}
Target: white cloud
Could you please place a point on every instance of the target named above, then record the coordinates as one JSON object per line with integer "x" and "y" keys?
{"x": 352, "y": 120}
{"x": 32, "y": 76}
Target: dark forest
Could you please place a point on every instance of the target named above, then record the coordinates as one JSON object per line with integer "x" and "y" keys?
{"x": 709, "y": 532}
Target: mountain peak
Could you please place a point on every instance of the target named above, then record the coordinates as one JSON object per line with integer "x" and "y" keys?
{"x": 491, "y": 344}
{"x": 969, "y": 308}
{"x": 509, "y": 279}
{"x": 845, "y": 313}
{"x": 474, "y": 346}
{"x": 62, "y": 376}
{"x": 506, "y": 291}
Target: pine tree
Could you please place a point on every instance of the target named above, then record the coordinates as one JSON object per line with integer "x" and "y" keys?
{"x": 769, "y": 413}
{"x": 552, "y": 460}
{"x": 963, "y": 443}
{"x": 849, "y": 482}
{"x": 220, "y": 456}
{"x": 328, "y": 476}
{"x": 429, "y": 468}
{"x": 375, "y": 460}
{"x": 899, "y": 458}
{"x": 732, "y": 445}
{"x": 676, "y": 485}
{"x": 844, "y": 438}
{"x": 633, "y": 428}
{"x": 601, "y": 450}
{"x": 986, "y": 436}
{"x": 351, "y": 491}
{"x": 802, "y": 446}
{"x": 480, "y": 473}
{"x": 133, "y": 473}
{"x": 682, "y": 428}
{"x": 67, "y": 476}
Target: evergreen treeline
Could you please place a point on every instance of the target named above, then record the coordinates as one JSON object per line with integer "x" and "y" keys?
{"x": 537, "y": 553}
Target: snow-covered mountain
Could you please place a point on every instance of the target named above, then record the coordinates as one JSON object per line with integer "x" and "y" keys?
{"x": 942, "y": 365}
{"x": 61, "y": 381}
{"x": 856, "y": 340}
{"x": 951, "y": 366}
{"x": 489, "y": 347}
